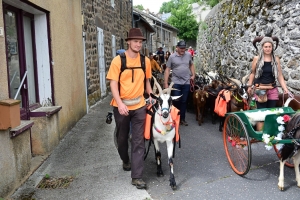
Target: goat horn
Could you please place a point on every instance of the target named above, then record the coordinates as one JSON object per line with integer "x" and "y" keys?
{"x": 158, "y": 86}
{"x": 246, "y": 78}
{"x": 274, "y": 38}
{"x": 170, "y": 88}
{"x": 257, "y": 39}
{"x": 237, "y": 82}
{"x": 198, "y": 87}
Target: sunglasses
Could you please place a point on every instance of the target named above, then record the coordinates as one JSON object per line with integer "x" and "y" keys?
{"x": 181, "y": 47}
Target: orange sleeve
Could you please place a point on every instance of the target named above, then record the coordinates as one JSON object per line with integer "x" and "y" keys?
{"x": 114, "y": 69}
{"x": 148, "y": 68}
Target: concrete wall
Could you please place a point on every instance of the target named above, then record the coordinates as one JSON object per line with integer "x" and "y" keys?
{"x": 225, "y": 41}
{"x": 15, "y": 158}
{"x": 67, "y": 60}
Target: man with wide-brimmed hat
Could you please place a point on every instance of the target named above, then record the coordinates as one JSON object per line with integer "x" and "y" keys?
{"x": 128, "y": 103}
{"x": 183, "y": 71}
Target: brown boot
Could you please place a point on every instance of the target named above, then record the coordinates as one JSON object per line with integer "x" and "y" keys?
{"x": 126, "y": 166}
{"x": 183, "y": 122}
{"x": 139, "y": 183}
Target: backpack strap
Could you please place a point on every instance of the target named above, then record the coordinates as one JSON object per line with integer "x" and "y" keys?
{"x": 124, "y": 66}
{"x": 143, "y": 65}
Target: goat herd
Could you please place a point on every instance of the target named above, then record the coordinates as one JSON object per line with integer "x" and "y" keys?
{"x": 210, "y": 95}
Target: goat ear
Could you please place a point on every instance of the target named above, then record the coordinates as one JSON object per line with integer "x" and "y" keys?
{"x": 175, "y": 97}
{"x": 153, "y": 96}
{"x": 206, "y": 95}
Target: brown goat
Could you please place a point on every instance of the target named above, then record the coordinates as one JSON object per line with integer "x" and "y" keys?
{"x": 199, "y": 100}
{"x": 294, "y": 104}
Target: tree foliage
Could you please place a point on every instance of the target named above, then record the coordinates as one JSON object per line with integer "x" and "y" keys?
{"x": 184, "y": 21}
{"x": 167, "y": 6}
{"x": 212, "y": 3}
{"x": 182, "y": 18}
{"x": 174, "y": 4}
{"x": 140, "y": 7}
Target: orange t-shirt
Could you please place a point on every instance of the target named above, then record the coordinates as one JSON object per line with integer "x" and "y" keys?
{"x": 130, "y": 89}
{"x": 154, "y": 65}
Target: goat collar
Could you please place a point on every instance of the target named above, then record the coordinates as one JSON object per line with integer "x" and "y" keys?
{"x": 235, "y": 96}
{"x": 169, "y": 127}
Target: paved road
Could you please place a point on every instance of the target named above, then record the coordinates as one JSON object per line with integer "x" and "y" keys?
{"x": 88, "y": 153}
{"x": 202, "y": 170}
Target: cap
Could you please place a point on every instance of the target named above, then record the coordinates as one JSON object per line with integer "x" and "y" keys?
{"x": 120, "y": 51}
{"x": 181, "y": 44}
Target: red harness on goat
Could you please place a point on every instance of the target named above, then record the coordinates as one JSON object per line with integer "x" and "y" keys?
{"x": 176, "y": 120}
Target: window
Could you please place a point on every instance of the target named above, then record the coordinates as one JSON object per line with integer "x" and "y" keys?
{"x": 112, "y": 3}
{"x": 28, "y": 58}
{"x": 113, "y": 46}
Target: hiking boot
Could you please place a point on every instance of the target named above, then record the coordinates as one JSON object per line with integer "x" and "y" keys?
{"x": 184, "y": 123}
{"x": 126, "y": 166}
{"x": 139, "y": 183}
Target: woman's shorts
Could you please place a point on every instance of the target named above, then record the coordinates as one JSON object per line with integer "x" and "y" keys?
{"x": 273, "y": 94}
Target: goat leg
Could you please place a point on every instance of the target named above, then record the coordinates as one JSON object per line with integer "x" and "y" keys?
{"x": 172, "y": 177}
{"x": 159, "y": 171}
{"x": 296, "y": 159}
{"x": 281, "y": 175}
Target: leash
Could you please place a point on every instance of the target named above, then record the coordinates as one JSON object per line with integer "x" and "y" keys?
{"x": 289, "y": 99}
{"x": 192, "y": 85}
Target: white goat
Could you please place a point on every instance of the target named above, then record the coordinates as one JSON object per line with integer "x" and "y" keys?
{"x": 291, "y": 150}
{"x": 163, "y": 128}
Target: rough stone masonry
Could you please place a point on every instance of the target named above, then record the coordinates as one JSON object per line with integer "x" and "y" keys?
{"x": 225, "y": 37}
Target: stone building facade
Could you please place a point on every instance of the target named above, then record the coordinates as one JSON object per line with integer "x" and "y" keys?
{"x": 225, "y": 41}
{"x": 140, "y": 22}
{"x": 105, "y": 26}
{"x": 165, "y": 35}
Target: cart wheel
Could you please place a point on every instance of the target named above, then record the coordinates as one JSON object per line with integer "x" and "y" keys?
{"x": 289, "y": 162}
{"x": 237, "y": 144}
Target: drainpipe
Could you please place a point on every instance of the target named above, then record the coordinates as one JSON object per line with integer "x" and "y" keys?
{"x": 151, "y": 35}
{"x": 161, "y": 36}
{"x": 133, "y": 21}
{"x": 132, "y": 13}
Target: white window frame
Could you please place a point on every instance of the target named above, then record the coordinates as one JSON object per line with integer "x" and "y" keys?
{"x": 112, "y": 3}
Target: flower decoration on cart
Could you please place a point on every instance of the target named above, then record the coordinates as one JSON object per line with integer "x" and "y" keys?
{"x": 267, "y": 139}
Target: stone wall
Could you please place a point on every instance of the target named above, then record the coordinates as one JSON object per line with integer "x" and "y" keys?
{"x": 225, "y": 39}
{"x": 116, "y": 21}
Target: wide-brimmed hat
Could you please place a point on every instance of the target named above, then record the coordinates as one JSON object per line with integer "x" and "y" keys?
{"x": 263, "y": 39}
{"x": 181, "y": 44}
{"x": 135, "y": 33}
